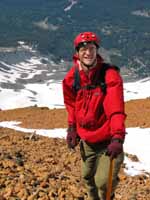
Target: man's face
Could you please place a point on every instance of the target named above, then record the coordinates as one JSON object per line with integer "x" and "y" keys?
{"x": 87, "y": 54}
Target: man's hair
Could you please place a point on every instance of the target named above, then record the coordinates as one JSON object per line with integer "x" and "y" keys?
{"x": 83, "y": 44}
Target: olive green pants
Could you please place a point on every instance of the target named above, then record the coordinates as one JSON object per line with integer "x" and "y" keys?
{"x": 95, "y": 169}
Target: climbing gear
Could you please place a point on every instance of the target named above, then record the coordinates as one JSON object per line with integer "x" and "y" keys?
{"x": 109, "y": 186}
{"x": 100, "y": 82}
{"x": 114, "y": 148}
{"x": 72, "y": 137}
{"x": 86, "y": 37}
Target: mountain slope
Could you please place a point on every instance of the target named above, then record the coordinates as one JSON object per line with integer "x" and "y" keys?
{"x": 122, "y": 25}
{"x": 37, "y": 167}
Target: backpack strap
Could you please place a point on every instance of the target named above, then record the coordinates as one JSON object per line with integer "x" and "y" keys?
{"x": 100, "y": 79}
{"x": 102, "y": 73}
{"x": 76, "y": 84}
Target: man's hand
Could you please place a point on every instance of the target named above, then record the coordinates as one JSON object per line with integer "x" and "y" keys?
{"x": 72, "y": 137}
{"x": 115, "y": 148}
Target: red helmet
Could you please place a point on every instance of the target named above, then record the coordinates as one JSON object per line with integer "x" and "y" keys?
{"x": 86, "y": 37}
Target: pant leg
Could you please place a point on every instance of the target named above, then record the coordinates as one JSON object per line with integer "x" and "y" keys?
{"x": 88, "y": 169}
{"x": 102, "y": 172}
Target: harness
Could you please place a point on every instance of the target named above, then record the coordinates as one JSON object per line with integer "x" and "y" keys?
{"x": 99, "y": 79}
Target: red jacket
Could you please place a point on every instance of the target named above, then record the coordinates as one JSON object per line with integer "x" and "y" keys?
{"x": 97, "y": 116}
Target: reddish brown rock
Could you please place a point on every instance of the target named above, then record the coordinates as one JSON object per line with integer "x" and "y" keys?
{"x": 35, "y": 167}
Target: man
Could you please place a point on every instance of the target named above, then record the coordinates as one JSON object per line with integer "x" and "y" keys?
{"x": 95, "y": 114}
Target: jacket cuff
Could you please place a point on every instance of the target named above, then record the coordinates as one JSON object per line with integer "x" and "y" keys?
{"x": 72, "y": 125}
{"x": 117, "y": 140}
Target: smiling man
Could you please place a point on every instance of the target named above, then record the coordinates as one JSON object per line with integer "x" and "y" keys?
{"x": 93, "y": 96}
{"x": 87, "y": 55}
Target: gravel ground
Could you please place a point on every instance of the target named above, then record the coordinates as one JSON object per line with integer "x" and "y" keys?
{"x": 36, "y": 167}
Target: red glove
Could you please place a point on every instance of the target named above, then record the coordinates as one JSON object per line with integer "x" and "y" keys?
{"x": 115, "y": 148}
{"x": 72, "y": 137}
